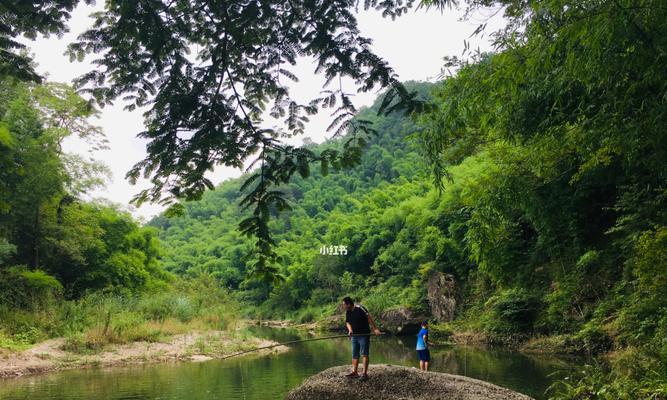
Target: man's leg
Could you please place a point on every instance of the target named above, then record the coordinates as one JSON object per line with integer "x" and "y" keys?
{"x": 421, "y": 365}
{"x": 425, "y": 365}
{"x": 365, "y": 348}
{"x": 355, "y": 357}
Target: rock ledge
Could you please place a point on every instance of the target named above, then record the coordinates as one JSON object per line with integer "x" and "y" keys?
{"x": 391, "y": 382}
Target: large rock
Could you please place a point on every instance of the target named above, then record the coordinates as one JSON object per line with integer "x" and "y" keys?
{"x": 390, "y": 382}
{"x": 441, "y": 291}
{"x": 401, "y": 321}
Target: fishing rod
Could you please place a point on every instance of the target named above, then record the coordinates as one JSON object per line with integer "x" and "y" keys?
{"x": 297, "y": 341}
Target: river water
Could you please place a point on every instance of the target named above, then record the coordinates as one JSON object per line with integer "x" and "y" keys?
{"x": 271, "y": 377}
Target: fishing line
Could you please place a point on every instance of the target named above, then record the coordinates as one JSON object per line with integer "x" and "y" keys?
{"x": 295, "y": 342}
{"x": 242, "y": 384}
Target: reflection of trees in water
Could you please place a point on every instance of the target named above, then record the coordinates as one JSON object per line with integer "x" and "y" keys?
{"x": 445, "y": 361}
{"x": 394, "y": 349}
{"x": 257, "y": 377}
{"x": 525, "y": 373}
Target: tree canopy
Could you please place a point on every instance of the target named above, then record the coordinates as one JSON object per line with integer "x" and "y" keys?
{"x": 207, "y": 72}
{"x": 44, "y": 222}
{"x": 29, "y": 19}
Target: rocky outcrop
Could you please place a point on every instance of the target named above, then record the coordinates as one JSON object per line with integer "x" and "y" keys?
{"x": 441, "y": 291}
{"x": 390, "y": 382}
{"x": 400, "y": 321}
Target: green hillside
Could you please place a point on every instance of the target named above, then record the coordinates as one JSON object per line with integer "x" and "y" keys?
{"x": 536, "y": 247}
{"x": 553, "y": 241}
{"x": 342, "y": 208}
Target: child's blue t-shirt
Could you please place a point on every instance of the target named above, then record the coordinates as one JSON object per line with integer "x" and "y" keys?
{"x": 420, "y": 339}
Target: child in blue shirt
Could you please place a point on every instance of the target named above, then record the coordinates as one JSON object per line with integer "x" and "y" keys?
{"x": 422, "y": 347}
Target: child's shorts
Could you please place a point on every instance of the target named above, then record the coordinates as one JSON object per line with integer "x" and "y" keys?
{"x": 424, "y": 355}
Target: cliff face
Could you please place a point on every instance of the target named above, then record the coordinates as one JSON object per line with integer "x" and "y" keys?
{"x": 442, "y": 296}
{"x": 390, "y": 382}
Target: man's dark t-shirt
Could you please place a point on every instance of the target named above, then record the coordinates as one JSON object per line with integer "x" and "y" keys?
{"x": 358, "y": 319}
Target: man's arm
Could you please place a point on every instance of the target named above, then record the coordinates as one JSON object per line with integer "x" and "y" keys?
{"x": 349, "y": 328}
{"x": 372, "y": 322}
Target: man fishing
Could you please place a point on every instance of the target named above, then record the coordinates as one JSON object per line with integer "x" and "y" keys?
{"x": 358, "y": 321}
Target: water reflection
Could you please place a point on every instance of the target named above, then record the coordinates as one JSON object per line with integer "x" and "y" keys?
{"x": 270, "y": 377}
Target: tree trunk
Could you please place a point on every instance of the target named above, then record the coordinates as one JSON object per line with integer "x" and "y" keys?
{"x": 35, "y": 240}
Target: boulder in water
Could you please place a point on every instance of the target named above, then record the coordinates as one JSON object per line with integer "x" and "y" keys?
{"x": 401, "y": 321}
{"x": 391, "y": 382}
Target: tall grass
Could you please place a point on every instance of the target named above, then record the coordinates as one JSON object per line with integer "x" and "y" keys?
{"x": 99, "y": 319}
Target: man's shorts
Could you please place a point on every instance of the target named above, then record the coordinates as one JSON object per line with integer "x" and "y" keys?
{"x": 424, "y": 355}
{"x": 360, "y": 344}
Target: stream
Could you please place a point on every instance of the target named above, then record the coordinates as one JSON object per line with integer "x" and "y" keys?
{"x": 271, "y": 377}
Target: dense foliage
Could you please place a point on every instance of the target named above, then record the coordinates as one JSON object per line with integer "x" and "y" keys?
{"x": 210, "y": 108}
{"x": 29, "y": 18}
{"x": 549, "y": 203}
{"x": 549, "y": 158}
{"x": 50, "y": 238}
{"x": 572, "y": 116}
{"x": 80, "y": 269}
{"x": 205, "y": 238}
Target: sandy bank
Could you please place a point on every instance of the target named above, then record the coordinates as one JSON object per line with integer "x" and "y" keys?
{"x": 49, "y": 356}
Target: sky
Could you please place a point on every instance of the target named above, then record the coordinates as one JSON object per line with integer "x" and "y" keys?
{"x": 413, "y": 44}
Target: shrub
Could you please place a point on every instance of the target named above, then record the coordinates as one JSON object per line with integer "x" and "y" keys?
{"x": 349, "y": 283}
{"x": 600, "y": 383}
{"x": 381, "y": 300}
{"x": 19, "y": 342}
{"x": 643, "y": 317}
{"x": 98, "y": 318}
{"x": 387, "y": 295}
{"x": 305, "y": 316}
{"x": 221, "y": 317}
{"x": 593, "y": 340}
{"x": 323, "y": 296}
{"x": 512, "y": 311}
{"x": 157, "y": 307}
{"x": 85, "y": 343}
{"x": 23, "y": 288}
{"x": 441, "y": 333}
{"x": 19, "y": 321}
{"x": 183, "y": 309}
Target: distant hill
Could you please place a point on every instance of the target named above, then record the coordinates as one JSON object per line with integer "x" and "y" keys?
{"x": 206, "y": 238}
